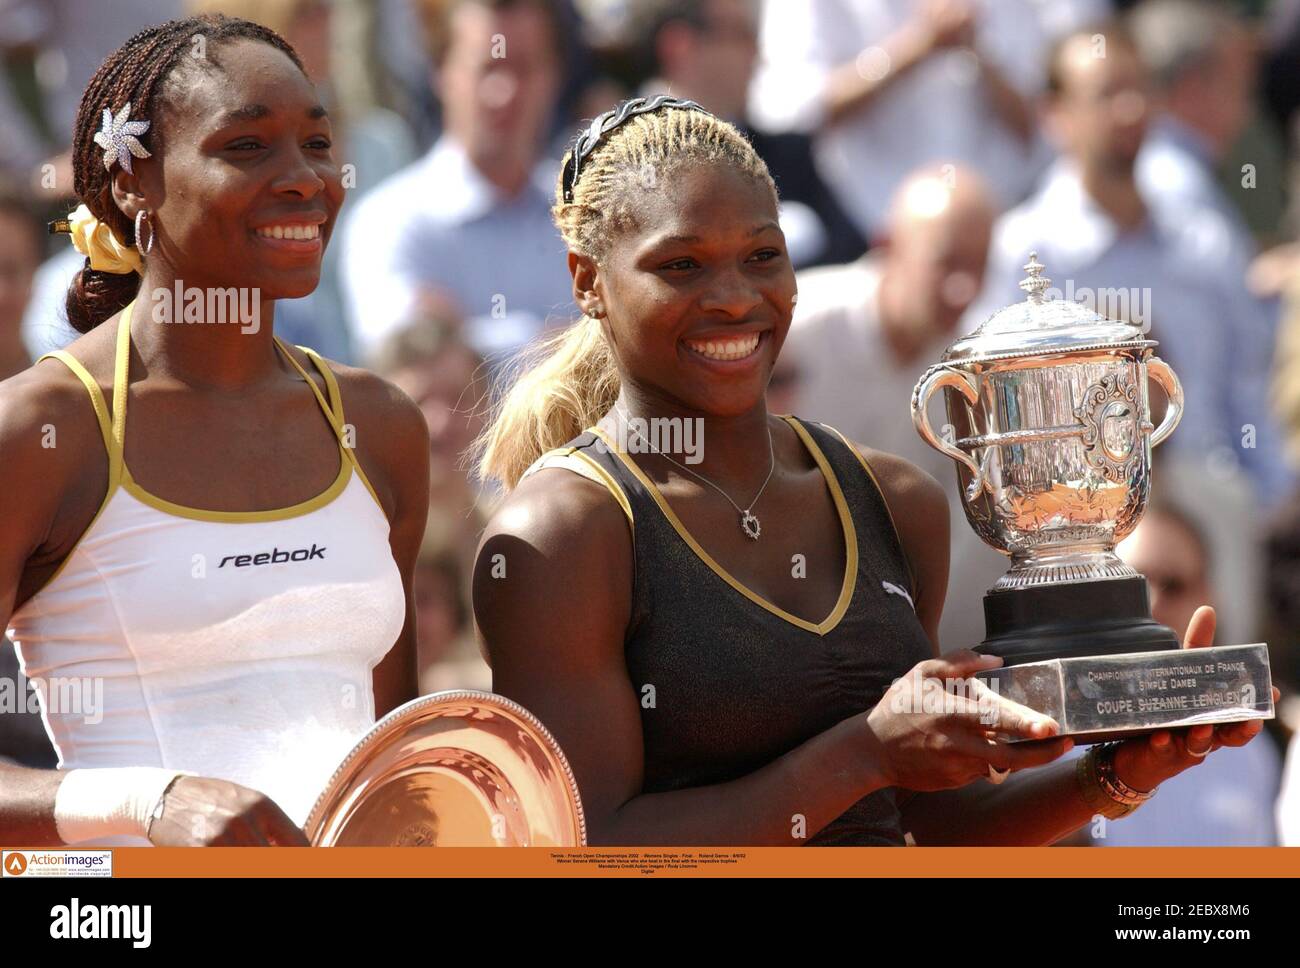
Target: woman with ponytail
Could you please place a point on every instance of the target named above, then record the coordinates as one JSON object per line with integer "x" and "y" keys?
{"x": 222, "y": 582}
{"x": 727, "y": 618}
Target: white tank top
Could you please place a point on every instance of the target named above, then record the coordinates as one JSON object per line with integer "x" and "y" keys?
{"x": 235, "y": 644}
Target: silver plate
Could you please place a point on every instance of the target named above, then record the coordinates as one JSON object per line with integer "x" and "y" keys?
{"x": 452, "y": 769}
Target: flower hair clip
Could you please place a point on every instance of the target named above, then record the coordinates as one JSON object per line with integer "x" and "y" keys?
{"x": 118, "y": 136}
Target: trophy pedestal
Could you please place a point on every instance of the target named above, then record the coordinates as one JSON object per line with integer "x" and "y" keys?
{"x": 1065, "y": 621}
{"x": 1099, "y": 698}
{"x": 1090, "y": 655}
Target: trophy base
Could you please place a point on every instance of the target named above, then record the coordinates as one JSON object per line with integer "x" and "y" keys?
{"x": 1099, "y": 698}
{"x": 1066, "y": 621}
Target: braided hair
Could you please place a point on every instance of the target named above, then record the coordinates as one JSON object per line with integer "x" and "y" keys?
{"x": 569, "y": 380}
{"x": 134, "y": 73}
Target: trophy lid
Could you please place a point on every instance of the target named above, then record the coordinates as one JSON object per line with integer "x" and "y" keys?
{"x": 1042, "y": 325}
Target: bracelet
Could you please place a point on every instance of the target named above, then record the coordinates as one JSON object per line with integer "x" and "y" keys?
{"x": 1085, "y": 775}
{"x": 1116, "y": 788}
{"x": 1101, "y": 790}
{"x": 157, "y": 811}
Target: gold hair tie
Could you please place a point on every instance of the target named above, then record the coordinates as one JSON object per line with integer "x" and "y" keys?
{"x": 94, "y": 239}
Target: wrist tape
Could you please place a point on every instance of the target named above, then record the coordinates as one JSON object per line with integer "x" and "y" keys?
{"x": 107, "y": 802}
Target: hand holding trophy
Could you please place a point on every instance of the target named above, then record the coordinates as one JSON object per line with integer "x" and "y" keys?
{"x": 1053, "y": 442}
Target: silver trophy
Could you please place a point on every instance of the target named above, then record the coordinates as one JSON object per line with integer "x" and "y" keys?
{"x": 1049, "y": 425}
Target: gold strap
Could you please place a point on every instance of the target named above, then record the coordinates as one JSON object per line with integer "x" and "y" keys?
{"x": 92, "y": 388}
{"x": 573, "y": 459}
{"x": 333, "y": 410}
{"x": 121, "y": 369}
{"x": 332, "y": 414}
{"x": 907, "y": 561}
{"x": 331, "y": 383}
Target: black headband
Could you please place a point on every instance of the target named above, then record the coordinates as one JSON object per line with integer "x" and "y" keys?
{"x": 591, "y": 136}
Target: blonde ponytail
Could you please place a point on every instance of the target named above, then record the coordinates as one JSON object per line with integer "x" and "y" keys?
{"x": 567, "y": 382}
{"x": 564, "y": 384}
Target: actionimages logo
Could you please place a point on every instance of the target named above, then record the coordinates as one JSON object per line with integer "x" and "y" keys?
{"x": 56, "y": 863}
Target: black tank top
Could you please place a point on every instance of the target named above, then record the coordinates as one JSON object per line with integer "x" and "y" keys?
{"x": 738, "y": 682}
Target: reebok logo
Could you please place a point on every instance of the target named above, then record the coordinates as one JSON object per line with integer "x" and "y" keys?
{"x": 274, "y": 557}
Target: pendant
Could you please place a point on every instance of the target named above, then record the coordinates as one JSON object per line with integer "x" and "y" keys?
{"x": 749, "y": 524}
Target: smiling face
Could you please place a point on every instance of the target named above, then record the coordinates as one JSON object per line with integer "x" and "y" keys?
{"x": 697, "y": 289}
{"x": 247, "y": 190}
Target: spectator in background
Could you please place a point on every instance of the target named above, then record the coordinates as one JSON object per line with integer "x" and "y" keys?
{"x": 863, "y": 333}
{"x": 376, "y": 144}
{"x": 21, "y": 247}
{"x": 27, "y": 140}
{"x": 1201, "y": 59}
{"x": 45, "y": 324}
{"x": 428, "y": 360}
{"x": 1281, "y": 551}
{"x": 69, "y": 40}
{"x": 1229, "y": 800}
{"x": 1288, "y": 801}
{"x": 888, "y": 86}
{"x": 707, "y": 52}
{"x": 448, "y": 656}
{"x": 471, "y": 219}
{"x": 1282, "y": 554}
{"x": 1098, "y": 237}
{"x": 1286, "y": 377}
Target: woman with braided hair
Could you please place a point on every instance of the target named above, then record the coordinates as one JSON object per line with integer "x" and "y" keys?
{"x": 733, "y": 639}
{"x": 223, "y": 581}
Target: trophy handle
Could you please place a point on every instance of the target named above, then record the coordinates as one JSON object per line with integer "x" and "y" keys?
{"x": 1159, "y": 371}
{"x": 943, "y": 375}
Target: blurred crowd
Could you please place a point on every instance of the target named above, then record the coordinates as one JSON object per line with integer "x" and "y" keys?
{"x": 922, "y": 149}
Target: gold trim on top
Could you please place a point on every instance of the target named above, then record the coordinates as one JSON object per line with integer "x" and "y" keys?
{"x": 121, "y": 368}
{"x": 331, "y": 381}
{"x": 911, "y": 575}
{"x": 92, "y": 388}
{"x": 241, "y": 517}
{"x": 117, "y": 455}
{"x": 335, "y": 408}
{"x": 611, "y": 485}
{"x": 841, "y": 506}
{"x": 580, "y": 463}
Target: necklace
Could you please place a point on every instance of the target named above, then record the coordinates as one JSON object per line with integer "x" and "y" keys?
{"x": 748, "y": 522}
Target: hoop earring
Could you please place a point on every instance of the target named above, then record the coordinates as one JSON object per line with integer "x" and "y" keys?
{"x": 143, "y": 250}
